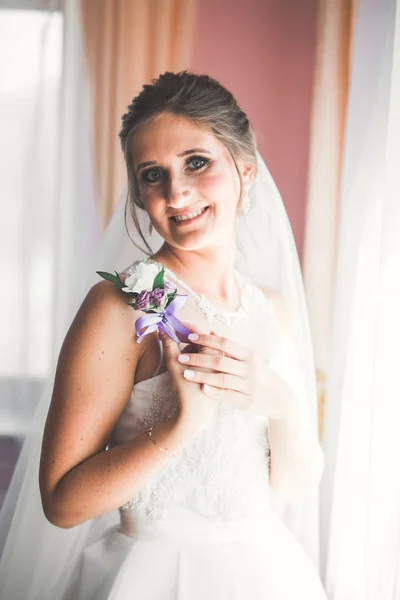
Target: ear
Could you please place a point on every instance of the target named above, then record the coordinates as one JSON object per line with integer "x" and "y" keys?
{"x": 248, "y": 172}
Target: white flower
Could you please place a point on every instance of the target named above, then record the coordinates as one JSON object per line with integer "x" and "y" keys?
{"x": 141, "y": 279}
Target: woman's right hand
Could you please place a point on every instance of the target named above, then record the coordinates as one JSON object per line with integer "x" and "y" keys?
{"x": 195, "y": 407}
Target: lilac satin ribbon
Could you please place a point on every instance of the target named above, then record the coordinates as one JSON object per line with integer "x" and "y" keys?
{"x": 164, "y": 319}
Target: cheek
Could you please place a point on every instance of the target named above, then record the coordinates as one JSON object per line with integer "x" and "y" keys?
{"x": 152, "y": 199}
{"x": 218, "y": 186}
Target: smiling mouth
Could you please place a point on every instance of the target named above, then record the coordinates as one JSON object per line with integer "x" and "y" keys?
{"x": 189, "y": 217}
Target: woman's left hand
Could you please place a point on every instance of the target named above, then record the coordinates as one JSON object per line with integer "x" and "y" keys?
{"x": 237, "y": 374}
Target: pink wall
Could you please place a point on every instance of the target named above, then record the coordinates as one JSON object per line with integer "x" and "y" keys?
{"x": 263, "y": 52}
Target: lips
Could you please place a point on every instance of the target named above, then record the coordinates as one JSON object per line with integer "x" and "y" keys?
{"x": 183, "y": 222}
{"x": 195, "y": 213}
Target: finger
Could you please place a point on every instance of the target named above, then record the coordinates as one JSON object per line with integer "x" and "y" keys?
{"x": 237, "y": 399}
{"x": 226, "y": 381}
{"x": 206, "y": 350}
{"x": 218, "y": 362}
{"x": 193, "y": 329}
{"x": 225, "y": 345}
{"x": 170, "y": 347}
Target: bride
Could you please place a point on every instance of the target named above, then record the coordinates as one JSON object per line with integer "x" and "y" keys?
{"x": 194, "y": 441}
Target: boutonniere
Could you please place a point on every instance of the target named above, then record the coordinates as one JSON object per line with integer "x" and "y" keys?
{"x": 159, "y": 299}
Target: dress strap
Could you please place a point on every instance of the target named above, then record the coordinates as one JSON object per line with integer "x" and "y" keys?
{"x": 160, "y": 359}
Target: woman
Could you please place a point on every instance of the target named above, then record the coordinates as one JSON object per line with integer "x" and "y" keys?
{"x": 133, "y": 426}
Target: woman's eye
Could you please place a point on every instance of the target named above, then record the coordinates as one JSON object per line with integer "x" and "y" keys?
{"x": 152, "y": 175}
{"x": 156, "y": 174}
{"x": 197, "y": 162}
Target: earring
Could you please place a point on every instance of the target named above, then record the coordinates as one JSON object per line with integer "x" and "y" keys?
{"x": 150, "y": 228}
{"x": 244, "y": 205}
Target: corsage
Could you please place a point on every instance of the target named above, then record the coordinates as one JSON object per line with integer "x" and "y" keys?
{"x": 159, "y": 299}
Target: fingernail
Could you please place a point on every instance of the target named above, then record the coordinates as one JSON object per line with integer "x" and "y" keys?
{"x": 183, "y": 358}
{"x": 193, "y": 337}
{"x": 207, "y": 388}
{"x": 188, "y": 374}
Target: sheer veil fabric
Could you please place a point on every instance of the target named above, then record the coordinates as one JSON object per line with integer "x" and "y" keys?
{"x": 37, "y": 558}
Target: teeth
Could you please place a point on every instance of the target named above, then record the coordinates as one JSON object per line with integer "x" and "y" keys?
{"x": 190, "y": 215}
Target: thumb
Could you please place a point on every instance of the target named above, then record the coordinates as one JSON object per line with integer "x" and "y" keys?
{"x": 170, "y": 347}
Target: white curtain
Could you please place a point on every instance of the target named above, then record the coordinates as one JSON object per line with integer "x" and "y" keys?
{"x": 360, "y": 490}
{"x": 49, "y": 227}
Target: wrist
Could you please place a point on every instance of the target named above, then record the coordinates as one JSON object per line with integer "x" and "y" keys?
{"x": 274, "y": 398}
{"x": 171, "y": 436}
{"x": 187, "y": 423}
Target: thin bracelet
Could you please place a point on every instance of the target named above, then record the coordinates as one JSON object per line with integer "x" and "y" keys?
{"x": 148, "y": 431}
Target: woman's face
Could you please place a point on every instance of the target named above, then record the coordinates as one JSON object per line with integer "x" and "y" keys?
{"x": 182, "y": 169}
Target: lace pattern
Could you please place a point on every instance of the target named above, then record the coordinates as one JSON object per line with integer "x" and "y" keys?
{"x": 223, "y": 473}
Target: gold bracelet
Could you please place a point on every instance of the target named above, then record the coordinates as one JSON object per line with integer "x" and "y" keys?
{"x": 148, "y": 431}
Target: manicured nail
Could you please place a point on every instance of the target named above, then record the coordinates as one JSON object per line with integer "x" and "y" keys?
{"x": 207, "y": 388}
{"x": 188, "y": 374}
{"x": 193, "y": 337}
{"x": 183, "y": 358}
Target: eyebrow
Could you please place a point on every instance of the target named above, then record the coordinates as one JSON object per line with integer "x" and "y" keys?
{"x": 185, "y": 153}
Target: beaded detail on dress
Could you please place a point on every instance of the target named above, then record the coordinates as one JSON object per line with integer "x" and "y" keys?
{"x": 164, "y": 404}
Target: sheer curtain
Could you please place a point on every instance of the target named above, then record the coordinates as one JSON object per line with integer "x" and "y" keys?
{"x": 49, "y": 227}
{"x": 328, "y": 119}
{"x": 52, "y": 229}
{"x": 360, "y": 489}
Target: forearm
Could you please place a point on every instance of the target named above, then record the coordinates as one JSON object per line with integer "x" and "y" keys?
{"x": 110, "y": 478}
{"x": 296, "y": 456}
{"x": 297, "y": 461}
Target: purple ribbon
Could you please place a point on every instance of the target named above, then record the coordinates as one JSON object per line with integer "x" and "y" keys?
{"x": 164, "y": 319}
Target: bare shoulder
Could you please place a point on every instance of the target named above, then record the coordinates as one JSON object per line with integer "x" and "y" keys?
{"x": 280, "y": 307}
{"x": 104, "y": 297}
{"x": 104, "y": 312}
{"x": 93, "y": 382}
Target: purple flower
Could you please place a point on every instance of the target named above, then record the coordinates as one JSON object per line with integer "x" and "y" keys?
{"x": 158, "y": 296}
{"x": 143, "y": 301}
{"x": 169, "y": 287}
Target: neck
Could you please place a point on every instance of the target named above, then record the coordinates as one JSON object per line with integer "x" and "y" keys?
{"x": 208, "y": 271}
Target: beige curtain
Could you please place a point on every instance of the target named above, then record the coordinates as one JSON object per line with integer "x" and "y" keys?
{"x": 127, "y": 43}
{"x": 331, "y": 86}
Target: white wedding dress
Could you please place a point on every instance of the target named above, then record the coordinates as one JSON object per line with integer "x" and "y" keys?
{"x": 202, "y": 527}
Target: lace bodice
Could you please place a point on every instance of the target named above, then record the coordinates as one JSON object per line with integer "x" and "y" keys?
{"x": 224, "y": 472}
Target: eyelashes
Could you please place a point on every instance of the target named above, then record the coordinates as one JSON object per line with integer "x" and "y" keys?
{"x": 156, "y": 174}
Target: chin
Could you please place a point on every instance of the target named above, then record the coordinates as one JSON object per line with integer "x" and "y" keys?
{"x": 189, "y": 245}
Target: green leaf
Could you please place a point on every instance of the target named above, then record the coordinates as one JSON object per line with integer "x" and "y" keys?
{"x": 171, "y": 297}
{"x": 119, "y": 279}
{"x": 110, "y": 277}
{"x": 159, "y": 279}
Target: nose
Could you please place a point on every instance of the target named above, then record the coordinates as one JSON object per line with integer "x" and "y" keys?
{"x": 179, "y": 191}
